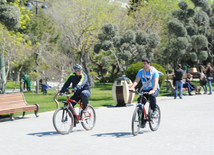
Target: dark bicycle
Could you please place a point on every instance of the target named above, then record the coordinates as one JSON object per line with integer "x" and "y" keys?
{"x": 141, "y": 117}
{"x": 65, "y": 117}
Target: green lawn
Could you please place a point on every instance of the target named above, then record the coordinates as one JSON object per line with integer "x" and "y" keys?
{"x": 11, "y": 84}
{"x": 101, "y": 95}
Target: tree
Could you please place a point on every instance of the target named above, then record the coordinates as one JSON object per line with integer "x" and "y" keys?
{"x": 10, "y": 16}
{"x": 81, "y": 22}
{"x": 197, "y": 24}
{"x": 129, "y": 47}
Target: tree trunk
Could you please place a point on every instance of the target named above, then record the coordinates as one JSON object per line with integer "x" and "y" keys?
{"x": 37, "y": 70}
{"x": 21, "y": 83}
{"x": 113, "y": 75}
{"x": 86, "y": 67}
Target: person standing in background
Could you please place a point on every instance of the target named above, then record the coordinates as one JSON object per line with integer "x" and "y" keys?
{"x": 25, "y": 80}
{"x": 209, "y": 74}
{"x": 178, "y": 81}
{"x": 203, "y": 79}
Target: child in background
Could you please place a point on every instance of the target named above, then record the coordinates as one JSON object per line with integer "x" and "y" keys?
{"x": 45, "y": 87}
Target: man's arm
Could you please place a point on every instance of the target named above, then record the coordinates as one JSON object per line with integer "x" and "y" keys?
{"x": 155, "y": 83}
{"x": 136, "y": 81}
{"x": 156, "y": 80}
{"x": 66, "y": 84}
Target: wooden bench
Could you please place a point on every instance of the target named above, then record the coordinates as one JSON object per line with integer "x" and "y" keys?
{"x": 173, "y": 87}
{"x": 184, "y": 89}
{"x": 14, "y": 103}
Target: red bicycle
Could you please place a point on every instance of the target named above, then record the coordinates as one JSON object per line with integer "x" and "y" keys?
{"x": 63, "y": 117}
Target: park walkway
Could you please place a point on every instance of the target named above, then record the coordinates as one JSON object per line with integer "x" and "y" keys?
{"x": 186, "y": 128}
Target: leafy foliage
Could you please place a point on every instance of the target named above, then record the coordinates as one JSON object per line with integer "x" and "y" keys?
{"x": 10, "y": 16}
{"x": 131, "y": 46}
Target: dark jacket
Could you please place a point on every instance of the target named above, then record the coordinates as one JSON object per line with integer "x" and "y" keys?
{"x": 209, "y": 72}
{"x": 79, "y": 83}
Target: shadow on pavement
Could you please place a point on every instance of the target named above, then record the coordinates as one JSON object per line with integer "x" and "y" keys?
{"x": 51, "y": 133}
{"x": 115, "y": 106}
{"x": 118, "y": 134}
{"x": 7, "y": 118}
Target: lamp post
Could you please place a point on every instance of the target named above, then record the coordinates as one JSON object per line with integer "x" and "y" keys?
{"x": 29, "y": 5}
{"x": 2, "y": 68}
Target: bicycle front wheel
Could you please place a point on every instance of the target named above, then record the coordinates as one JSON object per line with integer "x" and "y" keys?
{"x": 136, "y": 121}
{"x": 154, "y": 121}
{"x": 63, "y": 121}
{"x": 88, "y": 118}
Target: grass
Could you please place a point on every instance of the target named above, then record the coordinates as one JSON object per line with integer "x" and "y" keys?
{"x": 12, "y": 84}
{"x": 101, "y": 96}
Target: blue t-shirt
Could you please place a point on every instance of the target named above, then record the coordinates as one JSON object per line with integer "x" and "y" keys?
{"x": 150, "y": 85}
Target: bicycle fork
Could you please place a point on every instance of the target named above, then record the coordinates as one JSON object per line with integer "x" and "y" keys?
{"x": 143, "y": 111}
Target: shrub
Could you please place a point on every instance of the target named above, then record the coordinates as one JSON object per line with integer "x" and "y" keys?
{"x": 132, "y": 71}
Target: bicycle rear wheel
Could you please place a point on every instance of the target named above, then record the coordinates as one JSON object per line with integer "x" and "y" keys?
{"x": 89, "y": 118}
{"x": 154, "y": 121}
{"x": 63, "y": 120}
{"x": 136, "y": 120}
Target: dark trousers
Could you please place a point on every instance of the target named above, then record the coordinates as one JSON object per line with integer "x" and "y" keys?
{"x": 26, "y": 84}
{"x": 187, "y": 85}
{"x": 84, "y": 95}
{"x": 152, "y": 98}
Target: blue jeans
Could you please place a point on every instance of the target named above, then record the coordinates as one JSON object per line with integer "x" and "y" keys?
{"x": 210, "y": 85}
{"x": 178, "y": 85}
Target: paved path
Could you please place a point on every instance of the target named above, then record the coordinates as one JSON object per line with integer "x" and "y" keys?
{"x": 187, "y": 127}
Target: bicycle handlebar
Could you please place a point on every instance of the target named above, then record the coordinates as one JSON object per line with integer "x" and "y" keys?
{"x": 139, "y": 93}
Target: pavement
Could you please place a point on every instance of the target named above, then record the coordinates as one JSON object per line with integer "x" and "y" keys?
{"x": 186, "y": 128}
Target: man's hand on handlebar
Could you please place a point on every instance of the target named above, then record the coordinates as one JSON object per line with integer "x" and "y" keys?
{"x": 151, "y": 92}
{"x": 68, "y": 92}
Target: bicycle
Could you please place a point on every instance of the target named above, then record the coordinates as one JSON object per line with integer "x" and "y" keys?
{"x": 140, "y": 111}
{"x": 63, "y": 117}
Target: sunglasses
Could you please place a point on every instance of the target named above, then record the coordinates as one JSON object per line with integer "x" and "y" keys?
{"x": 79, "y": 71}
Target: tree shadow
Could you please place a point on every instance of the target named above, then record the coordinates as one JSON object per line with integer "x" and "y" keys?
{"x": 51, "y": 133}
{"x": 118, "y": 134}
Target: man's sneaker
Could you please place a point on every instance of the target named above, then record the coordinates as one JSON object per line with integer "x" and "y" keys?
{"x": 143, "y": 125}
{"x": 154, "y": 112}
{"x": 85, "y": 110}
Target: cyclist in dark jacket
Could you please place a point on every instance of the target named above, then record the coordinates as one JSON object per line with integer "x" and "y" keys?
{"x": 80, "y": 85}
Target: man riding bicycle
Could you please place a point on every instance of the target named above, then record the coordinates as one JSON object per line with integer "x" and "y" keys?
{"x": 80, "y": 85}
{"x": 149, "y": 77}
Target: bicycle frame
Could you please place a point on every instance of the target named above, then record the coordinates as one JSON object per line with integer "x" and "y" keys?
{"x": 74, "y": 112}
{"x": 143, "y": 108}
{"x": 142, "y": 104}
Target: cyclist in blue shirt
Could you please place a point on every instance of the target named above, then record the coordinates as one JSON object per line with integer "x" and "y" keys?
{"x": 149, "y": 77}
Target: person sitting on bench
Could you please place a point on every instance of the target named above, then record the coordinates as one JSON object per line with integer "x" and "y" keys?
{"x": 195, "y": 87}
{"x": 187, "y": 85}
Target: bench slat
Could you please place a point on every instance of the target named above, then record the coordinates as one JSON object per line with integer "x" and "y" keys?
{"x": 18, "y": 102}
{"x": 18, "y": 109}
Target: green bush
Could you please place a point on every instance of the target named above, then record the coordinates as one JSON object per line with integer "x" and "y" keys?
{"x": 132, "y": 71}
